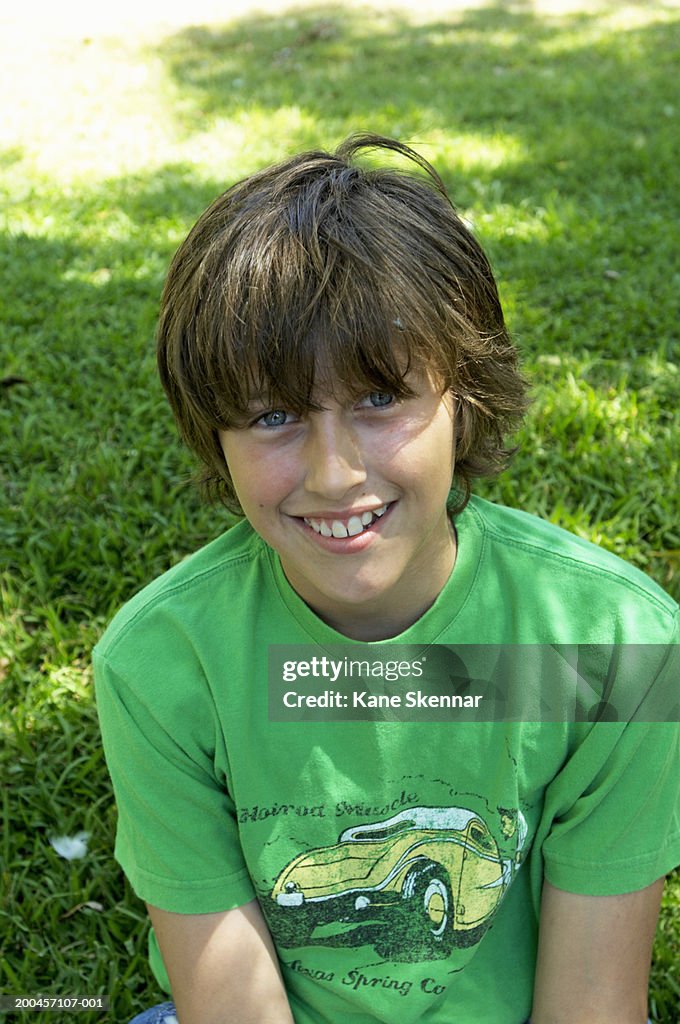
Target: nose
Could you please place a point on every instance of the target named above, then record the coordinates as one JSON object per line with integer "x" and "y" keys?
{"x": 333, "y": 456}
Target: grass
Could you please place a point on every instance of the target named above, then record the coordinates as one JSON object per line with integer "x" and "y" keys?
{"x": 556, "y": 135}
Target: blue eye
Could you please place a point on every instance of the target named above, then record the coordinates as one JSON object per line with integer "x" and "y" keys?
{"x": 379, "y": 399}
{"x": 275, "y": 418}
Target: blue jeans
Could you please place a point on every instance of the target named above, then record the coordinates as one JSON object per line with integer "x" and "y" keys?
{"x": 164, "y": 1013}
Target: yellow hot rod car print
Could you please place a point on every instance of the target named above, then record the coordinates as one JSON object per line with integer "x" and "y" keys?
{"x": 438, "y": 868}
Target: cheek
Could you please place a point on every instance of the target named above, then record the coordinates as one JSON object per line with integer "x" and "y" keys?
{"x": 446, "y": 446}
{"x": 429, "y": 455}
{"x": 237, "y": 458}
{"x": 262, "y": 480}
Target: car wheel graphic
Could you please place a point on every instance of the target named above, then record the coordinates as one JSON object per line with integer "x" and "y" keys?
{"x": 428, "y": 891}
{"x": 436, "y": 904}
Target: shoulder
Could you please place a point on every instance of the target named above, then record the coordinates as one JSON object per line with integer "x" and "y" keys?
{"x": 568, "y": 576}
{"x": 222, "y": 571}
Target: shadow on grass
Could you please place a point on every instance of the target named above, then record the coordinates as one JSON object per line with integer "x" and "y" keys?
{"x": 572, "y": 131}
{"x": 553, "y": 85}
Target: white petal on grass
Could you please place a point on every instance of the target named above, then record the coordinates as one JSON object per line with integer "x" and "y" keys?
{"x": 71, "y": 847}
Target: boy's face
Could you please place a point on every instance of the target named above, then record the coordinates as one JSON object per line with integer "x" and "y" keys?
{"x": 353, "y": 498}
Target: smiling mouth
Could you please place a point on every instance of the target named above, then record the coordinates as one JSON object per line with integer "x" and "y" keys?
{"x": 346, "y": 527}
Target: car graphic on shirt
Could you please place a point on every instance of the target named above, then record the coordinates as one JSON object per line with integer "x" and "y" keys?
{"x": 439, "y": 866}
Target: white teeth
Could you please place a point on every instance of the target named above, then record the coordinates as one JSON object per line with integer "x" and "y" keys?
{"x": 355, "y": 524}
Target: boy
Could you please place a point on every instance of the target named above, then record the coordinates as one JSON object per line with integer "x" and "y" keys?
{"x": 334, "y": 350}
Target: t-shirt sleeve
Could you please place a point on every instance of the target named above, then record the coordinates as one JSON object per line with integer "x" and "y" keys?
{"x": 613, "y": 812}
{"x": 177, "y": 835}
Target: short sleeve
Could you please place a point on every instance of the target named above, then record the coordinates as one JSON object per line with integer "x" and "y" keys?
{"x": 177, "y": 835}
{"x": 612, "y": 814}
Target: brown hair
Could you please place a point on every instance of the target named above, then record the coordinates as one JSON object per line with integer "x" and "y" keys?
{"x": 316, "y": 262}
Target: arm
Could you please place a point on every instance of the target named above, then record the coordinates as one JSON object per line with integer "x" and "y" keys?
{"x": 222, "y": 967}
{"x": 594, "y": 955}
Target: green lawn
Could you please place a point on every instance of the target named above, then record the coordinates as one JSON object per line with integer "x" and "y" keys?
{"x": 558, "y": 138}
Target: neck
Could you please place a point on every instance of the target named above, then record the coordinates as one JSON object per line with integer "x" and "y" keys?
{"x": 390, "y": 617}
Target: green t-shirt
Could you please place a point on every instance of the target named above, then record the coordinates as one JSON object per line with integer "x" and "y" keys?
{"x": 399, "y": 864}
